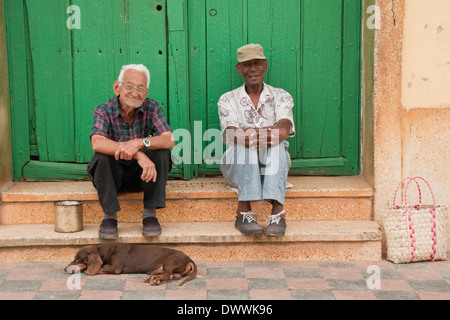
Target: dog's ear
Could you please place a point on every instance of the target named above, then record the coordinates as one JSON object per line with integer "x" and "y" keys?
{"x": 94, "y": 264}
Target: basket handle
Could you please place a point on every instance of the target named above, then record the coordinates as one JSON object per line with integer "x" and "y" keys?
{"x": 433, "y": 220}
{"x": 398, "y": 187}
{"x": 429, "y": 187}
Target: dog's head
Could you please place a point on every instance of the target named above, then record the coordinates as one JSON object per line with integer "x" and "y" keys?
{"x": 87, "y": 258}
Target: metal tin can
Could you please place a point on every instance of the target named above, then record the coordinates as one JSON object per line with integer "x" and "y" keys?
{"x": 68, "y": 216}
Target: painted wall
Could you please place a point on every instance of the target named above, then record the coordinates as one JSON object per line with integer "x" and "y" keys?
{"x": 412, "y": 99}
{"x": 426, "y": 95}
{"x": 426, "y": 54}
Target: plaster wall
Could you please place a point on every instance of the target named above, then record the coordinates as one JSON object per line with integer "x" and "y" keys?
{"x": 412, "y": 99}
{"x": 426, "y": 54}
{"x": 426, "y": 95}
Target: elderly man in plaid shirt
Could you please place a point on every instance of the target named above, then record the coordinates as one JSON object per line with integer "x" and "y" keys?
{"x": 132, "y": 142}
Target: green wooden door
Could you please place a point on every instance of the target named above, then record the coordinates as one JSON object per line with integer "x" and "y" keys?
{"x": 64, "y": 56}
{"x": 58, "y": 74}
{"x": 313, "y": 48}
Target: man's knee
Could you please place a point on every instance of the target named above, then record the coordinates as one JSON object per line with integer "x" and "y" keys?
{"x": 100, "y": 160}
{"x": 101, "y": 157}
{"x": 158, "y": 156}
{"x": 161, "y": 158}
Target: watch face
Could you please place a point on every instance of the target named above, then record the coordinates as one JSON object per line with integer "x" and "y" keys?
{"x": 146, "y": 142}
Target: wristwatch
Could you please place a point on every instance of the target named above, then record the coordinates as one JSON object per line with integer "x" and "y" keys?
{"x": 146, "y": 142}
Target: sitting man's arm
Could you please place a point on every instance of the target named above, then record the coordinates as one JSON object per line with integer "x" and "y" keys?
{"x": 128, "y": 150}
{"x": 273, "y": 136}
{"x": 259, "y": 137}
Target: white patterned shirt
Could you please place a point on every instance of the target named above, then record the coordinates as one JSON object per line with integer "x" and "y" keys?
{"x": 236, "y": 109}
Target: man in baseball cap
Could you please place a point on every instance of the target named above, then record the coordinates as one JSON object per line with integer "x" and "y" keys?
{"x": 256, "y": 119}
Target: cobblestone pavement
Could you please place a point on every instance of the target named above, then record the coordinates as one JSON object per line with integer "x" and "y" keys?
{"x": 238, "y": 281}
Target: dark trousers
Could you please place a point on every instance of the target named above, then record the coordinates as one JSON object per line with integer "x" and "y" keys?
{"x": 111, "y": 177}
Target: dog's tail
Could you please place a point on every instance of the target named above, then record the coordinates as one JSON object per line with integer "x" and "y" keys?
{"x": 190, "y": 268}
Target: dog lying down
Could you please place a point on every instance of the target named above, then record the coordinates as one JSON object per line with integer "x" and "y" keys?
{"x": 161, "y": 264}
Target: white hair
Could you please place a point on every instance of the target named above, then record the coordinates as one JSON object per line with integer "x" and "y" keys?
{"x": 136, "y": 67}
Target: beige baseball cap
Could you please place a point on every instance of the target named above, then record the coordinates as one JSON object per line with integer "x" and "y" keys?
{"x": 250, "y": 52}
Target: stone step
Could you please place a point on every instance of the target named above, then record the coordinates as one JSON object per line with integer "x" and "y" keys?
{"x": 199, "y": 200}
{"x": 205, "y": 241}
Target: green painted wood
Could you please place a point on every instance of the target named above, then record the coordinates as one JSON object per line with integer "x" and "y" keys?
{"x": 51, "y": 51}
{"x": 303, "y": 168}
{"x": 351, "y": 80}
{"x": 308, "y": 45}
{"x": 178, "y": 71}
{"x": 18, "y": 72}
{"x": 56, "y": 171}
{"x": 224, "y": 35}
{"x": 321, "y": 88}
{"x": 197, "y": 77}
{"x": 313, "y": 47}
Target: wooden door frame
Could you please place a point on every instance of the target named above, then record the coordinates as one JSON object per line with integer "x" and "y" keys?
{"x": 20, "y": 94}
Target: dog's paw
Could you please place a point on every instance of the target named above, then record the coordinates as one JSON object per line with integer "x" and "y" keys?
{"x": 152, "y": 281}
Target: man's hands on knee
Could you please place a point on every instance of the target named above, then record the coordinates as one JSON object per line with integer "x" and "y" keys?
{"x": 127, "y": 150}
{"x": 259, "y": 138}
{"x": 120, "y": 150}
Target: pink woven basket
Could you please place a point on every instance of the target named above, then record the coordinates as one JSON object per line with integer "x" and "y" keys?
{"x": 415, "y": 232}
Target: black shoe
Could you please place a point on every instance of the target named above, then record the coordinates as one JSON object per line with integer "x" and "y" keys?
{"x": 151, "y": 227}
{"x": 108, "y": 229}
{"x": 246, "y": 223}
{"x": 277, "y": 225}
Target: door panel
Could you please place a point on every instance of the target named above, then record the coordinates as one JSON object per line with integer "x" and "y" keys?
{"x": 313, "y": 49}
{"x": 71, "y": 71}
{"x": 50, "y": 47}
{"x": 322, "y": 78}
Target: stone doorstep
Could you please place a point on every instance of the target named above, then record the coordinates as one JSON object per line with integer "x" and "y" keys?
{"x": 209, "y": 241}
{"x": 199, "y": 200}
{"x": 203, "y": 188}
{"x": 343, "y": 198}
{"x": 197, "y": 211}
{"x": 201, "y": 232}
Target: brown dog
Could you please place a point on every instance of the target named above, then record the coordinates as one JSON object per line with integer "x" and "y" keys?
{"x": 161, "y": 264}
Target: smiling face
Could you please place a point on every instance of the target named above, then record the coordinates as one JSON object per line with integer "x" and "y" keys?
{"x": 253, "y": 71}
{"x": 129, "y": 95}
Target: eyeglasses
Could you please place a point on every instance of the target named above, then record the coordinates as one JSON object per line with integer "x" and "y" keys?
{"x": 130, "y": 88}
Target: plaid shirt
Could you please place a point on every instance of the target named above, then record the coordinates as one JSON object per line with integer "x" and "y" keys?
{"x": 148, "y": 119}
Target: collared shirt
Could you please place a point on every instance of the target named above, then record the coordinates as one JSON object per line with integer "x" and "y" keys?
{"x": 236, "y": 109}
{"x": 148, "y": 119}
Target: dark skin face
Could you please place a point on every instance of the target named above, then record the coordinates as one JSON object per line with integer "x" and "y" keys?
{"x": 253, "y": 72}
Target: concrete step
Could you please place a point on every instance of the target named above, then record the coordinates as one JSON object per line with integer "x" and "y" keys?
{"x": 200, "y": 200}
{"x": 205, "y": 241}
{"x": 329, "y": 219}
